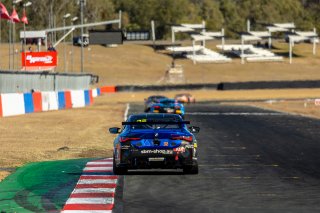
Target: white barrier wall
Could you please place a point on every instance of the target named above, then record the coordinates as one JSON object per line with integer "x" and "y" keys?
{"x": 12, "y": 104}
{"x": 49, "y": 101}
{"x": 77, "y": 98}
{"x": 94, "y": 93}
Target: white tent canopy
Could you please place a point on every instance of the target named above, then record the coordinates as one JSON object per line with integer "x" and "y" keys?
{"x": 285, "y": 25}
{"x": 250, "y": 38}
{"x": 272, "y": 29}
{"x": 177, "y": 29}
{"x": 214, "y": 34}
{"x": 194, "y": 26}
{"x": 260, "y": 34}
{"x": 199, "y": 37}
{"x": 307, "y": 34}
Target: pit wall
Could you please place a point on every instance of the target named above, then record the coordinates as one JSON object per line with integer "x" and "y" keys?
{"x": 12, "y": 104}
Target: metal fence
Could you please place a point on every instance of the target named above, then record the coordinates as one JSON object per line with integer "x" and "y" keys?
{"x": 18, "y": 82}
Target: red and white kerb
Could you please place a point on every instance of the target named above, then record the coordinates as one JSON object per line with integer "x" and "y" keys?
{"x": 93, "y": 193}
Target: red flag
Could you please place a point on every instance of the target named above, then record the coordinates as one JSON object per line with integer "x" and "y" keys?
{"x": 14, "y": 16}
{"x": 4, "y": 12}
{"x": 24, "y": 18}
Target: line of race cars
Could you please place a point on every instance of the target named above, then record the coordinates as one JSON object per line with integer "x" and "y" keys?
{"x": 156, "y": 139}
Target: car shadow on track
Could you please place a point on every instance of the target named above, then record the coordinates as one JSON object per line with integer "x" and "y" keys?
{"x": 154, "y": 172}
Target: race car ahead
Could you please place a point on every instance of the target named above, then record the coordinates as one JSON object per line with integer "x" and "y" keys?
{"x": 168, "y": 106}
{"x": 161, "y": 141}
{"x": 185, "y": 98}
{"x": 151, "y": 100}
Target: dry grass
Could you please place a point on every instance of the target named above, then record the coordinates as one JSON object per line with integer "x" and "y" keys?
{"x": 59, "y": 134}
{"x": 139, "y": 64}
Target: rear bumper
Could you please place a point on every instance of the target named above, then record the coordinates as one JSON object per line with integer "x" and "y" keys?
{"x": 136, "y": 159}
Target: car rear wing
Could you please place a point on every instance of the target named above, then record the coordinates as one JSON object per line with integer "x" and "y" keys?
{"x": 156, "y": 122}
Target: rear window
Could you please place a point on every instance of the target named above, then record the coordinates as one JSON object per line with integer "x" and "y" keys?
{"x": 156, "y": 122}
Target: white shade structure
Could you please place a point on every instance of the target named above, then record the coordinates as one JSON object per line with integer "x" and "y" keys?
{"x": 285, "y": 25}
{"x": 194, "y": 26}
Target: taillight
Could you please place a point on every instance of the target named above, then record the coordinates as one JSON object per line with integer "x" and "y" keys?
{"x": 127, "y": 139}
{"x": 184, "y": 138}
{"x": 156, "y": 107}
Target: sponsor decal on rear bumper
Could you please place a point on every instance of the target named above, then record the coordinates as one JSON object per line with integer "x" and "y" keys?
{"x": 157, "y": 151}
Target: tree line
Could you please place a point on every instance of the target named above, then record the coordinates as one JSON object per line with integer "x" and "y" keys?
{"x": 137, "y": 14}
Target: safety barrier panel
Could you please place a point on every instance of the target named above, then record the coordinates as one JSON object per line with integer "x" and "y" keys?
{"x": 62, "y": 100}
{"x": 77, "y": 98}
{"x": 37, "y": 101}
{"x": 91, "y": 97}
{"x": 12, "y": 104}
{"x": 86, "y": 98}
{"x": 49, "y": 101}
{"x": 67, "y": 95}
{"x": 0, "y": 107}
{"x": 108, "y": 89}
{"x": 98, "y": 91}
{"x": 28, "y": 103}
{"x": 94, "y": 93}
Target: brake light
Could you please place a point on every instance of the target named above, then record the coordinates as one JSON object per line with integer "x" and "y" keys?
{"x": 125, "y": 139}
{"x": 156, "y": 107}
{"x": 184, "y": 138}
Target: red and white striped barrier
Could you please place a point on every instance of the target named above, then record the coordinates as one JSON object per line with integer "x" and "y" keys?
{"x": 95, "y": 189}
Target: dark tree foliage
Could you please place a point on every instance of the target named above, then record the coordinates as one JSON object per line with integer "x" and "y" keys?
{"x": 137, "y": 14}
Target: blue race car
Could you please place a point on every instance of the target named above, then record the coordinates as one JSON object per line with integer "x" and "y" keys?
{"x": 149, "y": 141}
{"x": 167, "y": 105}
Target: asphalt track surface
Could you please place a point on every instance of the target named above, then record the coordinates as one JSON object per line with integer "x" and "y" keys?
{"x": 250, "y": 160}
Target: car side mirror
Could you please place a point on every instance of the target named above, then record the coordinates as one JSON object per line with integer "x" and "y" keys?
{"x": 114, "y": 130}
{"x": 194, "y": 129}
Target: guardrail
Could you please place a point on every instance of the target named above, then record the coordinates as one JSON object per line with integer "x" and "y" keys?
{"x": 21, "y": 82}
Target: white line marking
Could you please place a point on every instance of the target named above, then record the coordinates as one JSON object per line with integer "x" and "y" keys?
{"x": 93, "y": 190}
{"x": 107, "y": 200}
{"x": 87, "y": 211}
{"x": 97, "y": 168}
{"x": 237, "y": 113}
{"x": 94, "y": 181}
{"x": 100, "y": 163}
{"x": 126, "y": 112}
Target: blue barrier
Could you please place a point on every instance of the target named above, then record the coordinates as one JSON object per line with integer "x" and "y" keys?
{"x": 28, "y": 103}
{"x": 98, "y": 91}
{"x": 87, "y": 97}
{"x": 61, "y": 100}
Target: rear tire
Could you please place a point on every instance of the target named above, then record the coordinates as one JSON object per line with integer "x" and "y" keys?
{"x": 118, "y": 170}
{"x": 194, "y": 169}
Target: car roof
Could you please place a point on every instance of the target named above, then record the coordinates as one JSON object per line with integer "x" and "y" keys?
{"x": 167, "y": 99}
{"x": 157, "y": 96}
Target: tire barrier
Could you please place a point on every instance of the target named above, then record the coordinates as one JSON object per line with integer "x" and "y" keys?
{"x": 224, "y": 86}
{"x": 269, "y": 85}
{"x": 134, "y": 88}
